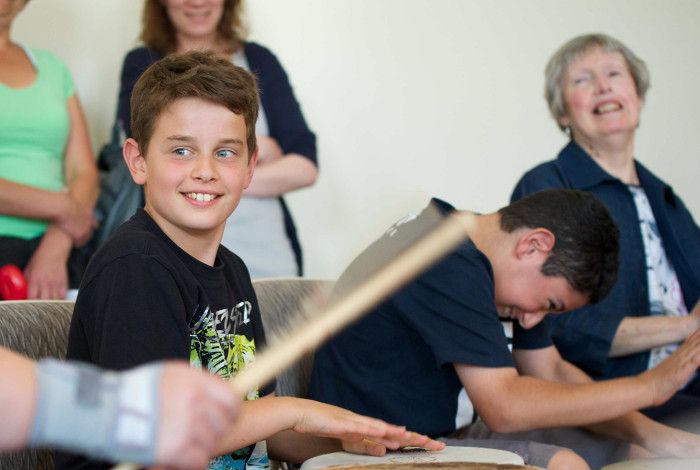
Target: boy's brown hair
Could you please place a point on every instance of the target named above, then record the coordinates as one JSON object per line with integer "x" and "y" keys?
{"x": 194, "y": 74}
{"x": 587, "y": 245}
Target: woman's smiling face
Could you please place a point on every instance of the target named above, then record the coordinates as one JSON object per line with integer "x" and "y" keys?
{"x": 195, "y": 19}
{"x": 600, "y": 96}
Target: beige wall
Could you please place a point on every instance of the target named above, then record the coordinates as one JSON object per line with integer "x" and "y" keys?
{"x": 412, "y": 98}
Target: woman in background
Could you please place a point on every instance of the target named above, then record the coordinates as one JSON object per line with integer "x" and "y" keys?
{"x": 595, "y": 88}
{"x": 261, "y": 231}
{"x": 48, "y": 177}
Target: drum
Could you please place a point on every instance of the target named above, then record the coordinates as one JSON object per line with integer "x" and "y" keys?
{"x": 655, "y": 464}
{"x": 451, "y": 457}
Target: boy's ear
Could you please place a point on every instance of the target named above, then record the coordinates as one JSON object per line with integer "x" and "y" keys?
{"x": 135, "y": 161}
{"x": 535, "y": 241}
{"x": 251, "y": 166}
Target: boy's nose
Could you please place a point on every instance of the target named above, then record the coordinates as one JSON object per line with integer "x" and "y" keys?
{"x": 204, "y": 169}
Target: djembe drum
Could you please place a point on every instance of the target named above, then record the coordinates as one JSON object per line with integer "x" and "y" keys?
{"x": 452, "y": 457}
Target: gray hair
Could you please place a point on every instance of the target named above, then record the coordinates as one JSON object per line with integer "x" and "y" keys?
{"x": 573, "y": 49}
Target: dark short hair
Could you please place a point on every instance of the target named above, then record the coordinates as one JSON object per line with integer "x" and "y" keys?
{"x": 158, "y": 32}
{"x": 587, "y": 246}
{"x": 195, "y": 74}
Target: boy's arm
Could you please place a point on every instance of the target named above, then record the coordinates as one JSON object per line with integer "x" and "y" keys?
{"x": 632, "y": 427}
{"x": 509, "y": 402}
{"x": 297, "y": 429}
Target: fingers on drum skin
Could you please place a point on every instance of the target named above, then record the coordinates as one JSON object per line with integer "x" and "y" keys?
{"x": 373, "y": 448}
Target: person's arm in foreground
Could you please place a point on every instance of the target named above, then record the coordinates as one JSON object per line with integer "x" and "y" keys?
{"x": 46, "y": 271}
{"x": 509, "y": 402}
{"x": 634, "y": 427}
{"x": 297, "y": 429}
{"x": 183, "y": 412}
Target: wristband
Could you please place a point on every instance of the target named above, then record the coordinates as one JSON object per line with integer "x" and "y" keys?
{"x": 107, "y": 415}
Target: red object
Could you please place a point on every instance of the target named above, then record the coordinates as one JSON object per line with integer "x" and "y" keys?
{"x": 13, "y": 286}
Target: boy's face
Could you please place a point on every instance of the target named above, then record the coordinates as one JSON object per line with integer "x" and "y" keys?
{"x": 195, "y": 169}
{"x": 529, "y": 299}
{"x": 522, "y": 292}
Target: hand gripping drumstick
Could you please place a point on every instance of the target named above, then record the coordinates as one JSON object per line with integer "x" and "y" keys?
{"x": 415, "y": 259}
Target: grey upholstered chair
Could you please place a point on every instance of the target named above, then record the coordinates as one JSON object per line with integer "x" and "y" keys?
{"x": 40, "y": 328}
{"x": 279, "y": 300}
{"x": 36, "y": 329}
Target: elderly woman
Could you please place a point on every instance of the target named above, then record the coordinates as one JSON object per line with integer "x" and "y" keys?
{"x": 262, "y": 230}
{"x": 595, "y": 87}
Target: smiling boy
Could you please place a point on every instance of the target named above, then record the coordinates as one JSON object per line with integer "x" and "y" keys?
{"x": 163, "y": 287}
{"x": 409, "y": 361}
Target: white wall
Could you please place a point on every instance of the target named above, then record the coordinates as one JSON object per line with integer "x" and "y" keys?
{"x": 412, "y": 98}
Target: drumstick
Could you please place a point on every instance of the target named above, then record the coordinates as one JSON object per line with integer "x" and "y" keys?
{"x": 418, "y": 257}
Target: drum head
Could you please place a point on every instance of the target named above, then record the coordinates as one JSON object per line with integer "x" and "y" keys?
{"x": 449, "y": 457}
{"x": 655, "y": 464}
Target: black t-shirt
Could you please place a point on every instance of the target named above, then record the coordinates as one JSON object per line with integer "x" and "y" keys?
{"x": 397, "y": 362}
{"x": 144, "y": 299}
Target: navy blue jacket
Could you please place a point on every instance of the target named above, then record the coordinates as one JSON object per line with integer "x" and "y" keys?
{"x": 284, "y": 118}
{"x": 585, "y": 336}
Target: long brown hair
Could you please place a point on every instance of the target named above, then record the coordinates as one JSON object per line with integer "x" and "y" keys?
{"x": 158, "y": 32}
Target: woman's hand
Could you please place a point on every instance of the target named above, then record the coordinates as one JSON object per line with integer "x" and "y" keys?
{"x": 77, "y": 220}
{"x": 268, "y": 149}
{"x": 47, "y": 271}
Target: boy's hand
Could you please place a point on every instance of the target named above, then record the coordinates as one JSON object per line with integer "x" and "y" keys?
{"x": 378, "y": 447}
{"x": 359, "y": 434}
{"x": 675, "y": 371}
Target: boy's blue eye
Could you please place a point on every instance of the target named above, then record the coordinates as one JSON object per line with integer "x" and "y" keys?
{"x": 181, "y": 152}
{"x": 225, "y": 153}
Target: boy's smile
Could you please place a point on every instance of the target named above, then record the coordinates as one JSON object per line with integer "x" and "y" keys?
{"x": 195, "y": 170}
{"x": 529, "y": 300}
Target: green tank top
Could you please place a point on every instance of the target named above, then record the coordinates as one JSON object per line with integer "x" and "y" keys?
{"x": 34, "y": 126}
